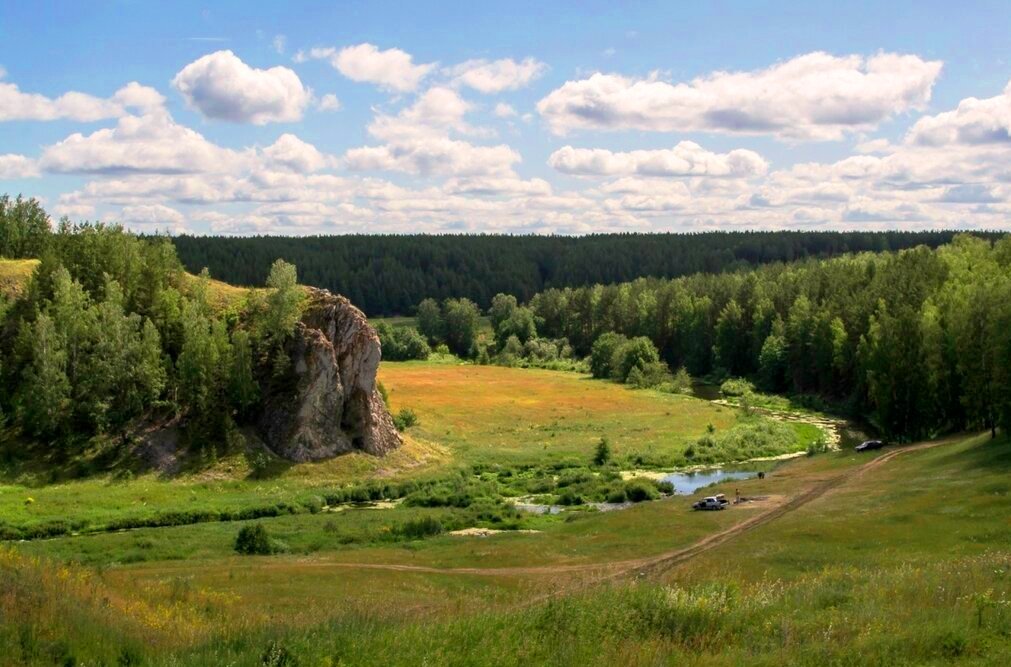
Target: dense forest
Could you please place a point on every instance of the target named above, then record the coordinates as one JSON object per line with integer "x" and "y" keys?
{"x": 110, "y": 331}
{"x": 916, "y": 341}
{"x": 390, "y": 275}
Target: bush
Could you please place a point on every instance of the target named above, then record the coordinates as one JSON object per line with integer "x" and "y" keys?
{"x": 617, "y": 495}
{"x": 681, "y": 382}
{"x": 253, "y": 540}
{"x": 639, "y": 491}
{"x": 736, "y": 387}
{"x": 405, "y": 419}
{"x": 651, "y": 374}
{"x": 637, "y": 352}
{"x": 603, "y": 452}
{"x": 665, "y": 487}
{"x": 420, "y": 528}
{"x": 569, "y": 497}
{"x": 602, "y": 353}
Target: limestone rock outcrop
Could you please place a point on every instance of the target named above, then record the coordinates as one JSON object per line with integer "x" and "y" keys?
{"x": 329, "y": 404}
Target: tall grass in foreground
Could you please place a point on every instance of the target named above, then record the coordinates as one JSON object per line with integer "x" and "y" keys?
{"x": 950, "y": 610}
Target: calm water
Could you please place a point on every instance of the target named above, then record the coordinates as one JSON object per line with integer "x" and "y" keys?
{"x": 686, "y": 483}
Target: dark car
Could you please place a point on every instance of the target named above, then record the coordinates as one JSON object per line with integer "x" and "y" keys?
{"x": 868, "y": 445}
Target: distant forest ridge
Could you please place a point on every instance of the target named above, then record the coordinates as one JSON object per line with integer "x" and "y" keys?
{"x": 391, "y": 274}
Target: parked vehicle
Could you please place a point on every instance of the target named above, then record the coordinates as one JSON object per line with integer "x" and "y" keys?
{"x": 711, "y": 503}
{"x": 868, "y": 445}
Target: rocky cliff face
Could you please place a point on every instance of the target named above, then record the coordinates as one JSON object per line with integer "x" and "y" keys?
{"x": 330, "y": 404}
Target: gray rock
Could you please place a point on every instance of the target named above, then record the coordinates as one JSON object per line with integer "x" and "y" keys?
{"x": 329, "y": 405}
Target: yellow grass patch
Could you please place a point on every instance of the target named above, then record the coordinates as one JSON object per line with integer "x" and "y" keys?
{"x": 497, "y": 414}
{"x": 14, "y": 275}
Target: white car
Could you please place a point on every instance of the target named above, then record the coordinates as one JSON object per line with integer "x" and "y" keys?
{"x": 710, "y": 503}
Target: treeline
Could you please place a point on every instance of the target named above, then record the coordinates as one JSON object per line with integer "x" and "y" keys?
{"x": 390, "y": 275}
{"x": 110, "y": 329}
{"x": 918, "y": 341}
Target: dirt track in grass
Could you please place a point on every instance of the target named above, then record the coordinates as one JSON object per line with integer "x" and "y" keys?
{"x": 652, "y": 565}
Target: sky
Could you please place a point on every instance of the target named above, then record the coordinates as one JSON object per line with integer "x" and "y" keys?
{"x": 304, "y": 118}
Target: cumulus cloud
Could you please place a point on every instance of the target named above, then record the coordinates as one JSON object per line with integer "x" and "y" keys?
{"x": 434, "y": 155}
{"x": 974, "y": 122}
{"x": 219, "y": 85}
{"x": 391, "y": 69}
{"x": 417, "y": 141}
{"x": 153, "y": 216}
{"x": 503, "y": 110}
{"x": 17, "y": 105}
{"x": 152, "y": 143}
{"x": 814, "y": 96}
{"x": 329, "y": 102}
{"x": 497, "y": 186}
{"x": 435, "y": 113}
{"x": 497, "y": 75}
{"x": 17, "y": 166}
{"x": 290, "y": 152}
{"x": 685, "y": 159}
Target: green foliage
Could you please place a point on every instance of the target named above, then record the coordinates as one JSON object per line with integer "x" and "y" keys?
{"x": 405, "y": 419}
{"x": 603, "y": 353}
{"x": 284, "y": 302}
{"x": 402, "y": 343}
{"x": 638, "y": 490}
{"x": 420, "y": 528}
{"x": 109, "y": 330}
{"x": 253, "y": 540}
{"x": 462, "y": 319}
{"x": 736, "y": 387}
{"x": 430, "y": 322}
{"x": 519, "y": 324}
{"x": 415, "y": 267}
{"x": 24, "y": 228}
{"x": 638, "y": 353}
{"x": 602, "y": 454}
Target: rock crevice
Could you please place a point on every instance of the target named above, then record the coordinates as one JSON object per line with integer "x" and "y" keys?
{"x": 329, "y": 404}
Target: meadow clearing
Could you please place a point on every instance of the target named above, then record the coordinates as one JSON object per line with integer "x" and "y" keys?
{"x": 814, "y": 585}
{"x": 827, "y": 568}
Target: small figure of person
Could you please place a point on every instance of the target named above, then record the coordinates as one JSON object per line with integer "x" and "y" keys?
{"x": 737, "y": 496}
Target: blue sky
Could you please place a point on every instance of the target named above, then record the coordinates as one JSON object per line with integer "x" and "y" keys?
{"x": 299, "y": 118}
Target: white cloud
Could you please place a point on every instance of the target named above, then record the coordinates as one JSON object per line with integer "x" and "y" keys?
{"x": 685, "y": 159}
{"x": 219, "y": 85}
{"x": 498, "y": 75}
{"x": 418, "y": 141}
{"x": 508, "y": 186}
{"x": 434, "y": 155}
{"x": 974, "y": 122}
{"x": 279, "y": 43}
{"x": 391, "y": 69}
{"x": 329, "y": 102}
{"x": 150, "y": 217}
{"x": 17, "y": 105}
{"x": 436, "y": 112}
{"x": 503, "y": 110}
{"x": 17, "y": 166}
{"x": 153, "y": 143}
{"x": 290, "y": 152}
{"x": 814, "y": 96}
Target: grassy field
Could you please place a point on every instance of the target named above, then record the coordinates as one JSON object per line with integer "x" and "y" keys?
{"x": 493, "y": 414}
{"x": 903, "y": 563}
{"x": 882, "y": 569}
